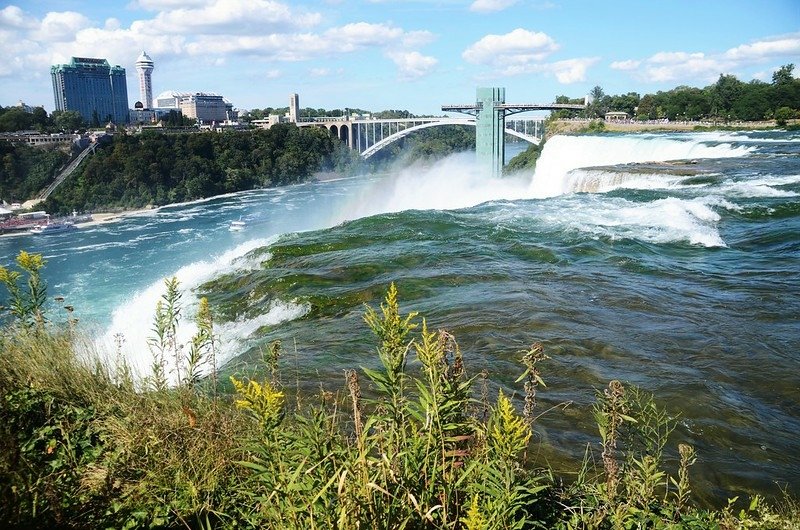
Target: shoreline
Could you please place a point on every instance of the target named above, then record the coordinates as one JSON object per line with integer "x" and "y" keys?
{"x": 99, "y": 218}
{"x": 579, "y": 126}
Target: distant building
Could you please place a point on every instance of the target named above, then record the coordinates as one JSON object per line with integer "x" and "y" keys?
{"x": 294, "y": 108}
{"x": 91, "y": 87}
{"x": 144, "y": 66}
{"x": 206, "y": 108}
{"x": 24, "y": 107}
{"x": 616, "y": 116}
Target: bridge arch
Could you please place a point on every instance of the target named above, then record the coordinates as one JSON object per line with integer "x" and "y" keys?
{"x": 371, "y": 150}
{"x": 344, "y": 134}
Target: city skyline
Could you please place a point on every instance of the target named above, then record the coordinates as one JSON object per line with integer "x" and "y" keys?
{"x": 386, "y": 54}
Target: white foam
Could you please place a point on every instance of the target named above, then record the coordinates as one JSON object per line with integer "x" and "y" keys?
{"x": 133, "y": 319}
{"x": 234, "y": 336}
{"x": 669, "y": 220}
{"x": 562, "y": 154}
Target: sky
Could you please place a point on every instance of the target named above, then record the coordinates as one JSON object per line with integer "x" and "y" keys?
{"x": 398, "y": 54}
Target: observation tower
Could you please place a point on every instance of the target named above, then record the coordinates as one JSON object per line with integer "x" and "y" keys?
{"x": 144, "y": 65}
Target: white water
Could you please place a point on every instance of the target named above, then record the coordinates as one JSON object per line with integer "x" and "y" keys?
{"x": 563, "y": 154}
{"x": 451, "y": 184}
{"x": 133, "y": 320}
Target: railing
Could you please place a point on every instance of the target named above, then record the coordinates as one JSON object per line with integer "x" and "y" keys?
{"x": 67, "y": 171}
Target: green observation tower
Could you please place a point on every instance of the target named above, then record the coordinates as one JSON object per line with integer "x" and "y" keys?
{"x": 490, "y": 111}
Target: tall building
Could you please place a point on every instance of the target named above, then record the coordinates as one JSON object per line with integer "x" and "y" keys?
{"x": 92, "y": 87}
{"x": 294, "y": 108}
{"x": 145, "y": 65}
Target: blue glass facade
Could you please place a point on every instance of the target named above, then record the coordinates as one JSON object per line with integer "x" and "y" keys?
{"x": 93, "y": 88}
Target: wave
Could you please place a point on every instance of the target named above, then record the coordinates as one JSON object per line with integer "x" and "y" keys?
{"x": 132, "y": 321}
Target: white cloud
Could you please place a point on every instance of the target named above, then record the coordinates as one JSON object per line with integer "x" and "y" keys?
{"x": 237, "y": 17}
{"x": 626, "y": 65}
{"x": 572, "y": 70}
{"x": 14, "y": 17}
{"x": 319, "y": 72}
{"x": 519, "y": 47}
{"x": 413, "y": 65}
{"x": 361, "y": 34}
{"x": 679, "y": 66}
{"x": 163, "y": 5}
{"x": 788, "y": 45}
{"x": 487, "y": 6}
{"x": 417, "y": 39}
{"x": 566, "y": 72}
{"x": 61, "y": 27}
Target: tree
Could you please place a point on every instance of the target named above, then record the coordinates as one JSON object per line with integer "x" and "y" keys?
{"x": 598, "y": 105}
{"x": 782, "y": 115}
{"x": 15, "y": 119}
{"x": 783, "y": 75}
{"x": 726, "y": 90}
{"x": 67, "y": 120}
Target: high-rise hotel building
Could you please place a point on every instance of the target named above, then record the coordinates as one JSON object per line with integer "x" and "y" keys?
{"x": 93, "y": 88}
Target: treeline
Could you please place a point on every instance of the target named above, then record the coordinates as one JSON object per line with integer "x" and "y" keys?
{"x": 13, "y": 119}
{"x": 310, "y": 112}
{"x": 729, "y": 99}
{"x": 155, "y": 168}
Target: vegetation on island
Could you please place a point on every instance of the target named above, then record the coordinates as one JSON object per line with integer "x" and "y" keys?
{"x": 729, "y": 99}
{"x": 416, "y": 443}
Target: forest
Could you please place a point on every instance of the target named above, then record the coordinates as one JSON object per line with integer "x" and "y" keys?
{"x": 155, "y": 168}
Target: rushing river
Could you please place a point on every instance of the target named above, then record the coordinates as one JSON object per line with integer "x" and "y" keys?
{"x": 671, "y": 261}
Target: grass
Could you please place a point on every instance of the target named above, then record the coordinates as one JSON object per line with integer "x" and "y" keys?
{"x": 83, "y": 445}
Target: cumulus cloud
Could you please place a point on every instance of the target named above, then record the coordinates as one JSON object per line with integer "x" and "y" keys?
{"x": 250, "y": 17}
{"x": 413, "y": 65}
{"x": 788, "y": 45}
{"x": 487, "y": 6}
{"x": 14, "y": 17}
{"x": 519, "y": 47}
{"x": 566, "y": 72}
{"x": 677, "y": 66}
{"x": 626, "y": 65}
{"x": 61, "y": 27}
{"x": 211, "y": 31}
{"x": 523, "y": 52}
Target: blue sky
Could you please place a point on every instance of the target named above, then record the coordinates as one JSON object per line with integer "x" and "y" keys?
{"x": 398, "y": 54}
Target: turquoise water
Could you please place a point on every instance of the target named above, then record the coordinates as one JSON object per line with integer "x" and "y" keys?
{"x": 668, "y": 261}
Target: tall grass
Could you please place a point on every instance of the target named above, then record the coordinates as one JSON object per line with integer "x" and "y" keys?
{"x": 83, "y": 445}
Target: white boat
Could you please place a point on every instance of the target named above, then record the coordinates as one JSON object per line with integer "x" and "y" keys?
{"x": 52, "y": 228}
{"x": 237, "y": 226}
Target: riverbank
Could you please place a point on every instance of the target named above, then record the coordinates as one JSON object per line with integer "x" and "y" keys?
{"x": 579, "y": 126}
{"x": 125, "y": 455}
{"x": 99, "y": 218}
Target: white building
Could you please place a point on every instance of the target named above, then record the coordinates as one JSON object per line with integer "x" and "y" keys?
{"x": 205, "y": 107}
{"x": 145, "y": 65}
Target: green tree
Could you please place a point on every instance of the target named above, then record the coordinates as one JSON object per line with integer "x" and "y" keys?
{"x": 783, "y": 75}
{"x": 782, "y": 115}
{"x": 68, "y": 120}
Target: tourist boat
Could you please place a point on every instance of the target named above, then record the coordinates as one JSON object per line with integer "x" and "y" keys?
{"x": 52, "y": 228}
{"x": 237, "y": 226}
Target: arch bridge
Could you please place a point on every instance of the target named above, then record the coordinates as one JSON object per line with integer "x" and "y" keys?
{"x": 489, "y": 117}
{"x": 368, "y": 136}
